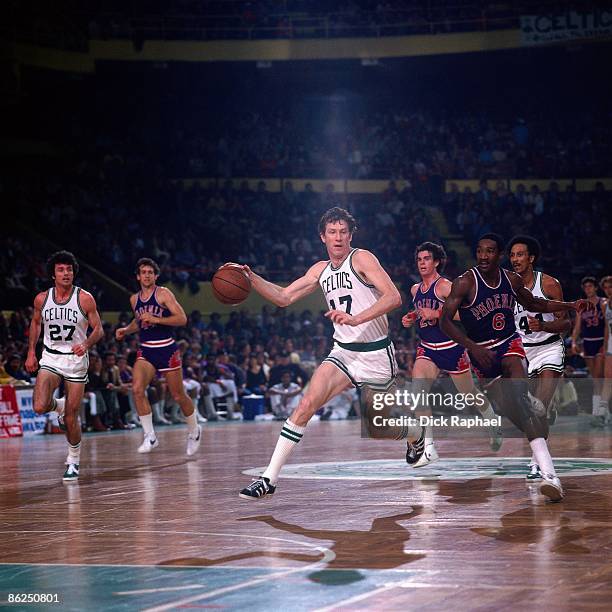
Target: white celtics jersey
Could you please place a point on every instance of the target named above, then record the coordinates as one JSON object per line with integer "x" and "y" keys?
{"x": 345, "y": 290}
{"x": 65, "y": 323}
{"x": 520, "y": 316}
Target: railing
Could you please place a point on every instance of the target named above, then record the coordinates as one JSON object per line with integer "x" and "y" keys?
{"x": 75, "y": 30}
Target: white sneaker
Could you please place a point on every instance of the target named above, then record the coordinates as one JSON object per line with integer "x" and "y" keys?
{"x": 430, "y": 454}
{"x": 193, "y": 441}
{"x": 551, "y": 487}
{"x": 148, "y": 444}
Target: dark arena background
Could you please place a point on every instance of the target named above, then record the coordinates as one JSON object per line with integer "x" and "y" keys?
{"x": 200, "y": 132}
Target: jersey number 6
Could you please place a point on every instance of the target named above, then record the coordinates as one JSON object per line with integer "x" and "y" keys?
{"x": 499, "y": 321}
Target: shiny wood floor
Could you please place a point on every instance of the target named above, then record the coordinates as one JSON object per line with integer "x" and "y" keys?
{"x": 483, "y": 542}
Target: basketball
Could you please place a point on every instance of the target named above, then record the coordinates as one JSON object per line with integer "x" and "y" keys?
{"x": 230, "y": 284}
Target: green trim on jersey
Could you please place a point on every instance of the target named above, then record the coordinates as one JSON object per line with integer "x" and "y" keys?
{"x": 365, "y": 347}
{"x": 350, "y": 258}
{"x": 67, "y": 301}
{"x": 79, "y": 303}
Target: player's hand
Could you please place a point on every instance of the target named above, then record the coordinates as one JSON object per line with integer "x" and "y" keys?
{"x": 31, "y": 364}
{"x": 339, "y": 317}
{"x": 409, "y": 318}
{"x": 483, "y": 356}
{"x": 535, "y": 324}
{"x": 582, "y": 305}
{"x": 149, "y": 318}
{"x": 79, "y": 349}
{"x": 243, "y": 267}
{"x": 428, "y": 314}
{"x": 120, "y": 333}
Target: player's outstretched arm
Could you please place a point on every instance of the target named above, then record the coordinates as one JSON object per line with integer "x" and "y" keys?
{"x": 177, "y": 317}
{"x": 284, "y": 296}
{"x": 369, "y": 268}
{"x": 31, "y": 364}
{"x": 526, "y": 299}
{"x": 93, "y": 317}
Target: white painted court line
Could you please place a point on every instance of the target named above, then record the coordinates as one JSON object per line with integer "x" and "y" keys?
{"x": 160, "y": 590}
{"x": 352, "y": 600}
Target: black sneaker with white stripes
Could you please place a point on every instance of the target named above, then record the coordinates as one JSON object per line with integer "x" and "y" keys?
{"x": 415, "y": 450}
{"x": 257, "y": 489}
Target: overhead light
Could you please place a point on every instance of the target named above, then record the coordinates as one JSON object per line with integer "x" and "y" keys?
{"x": 369, "y": 61}
{"x": 264, "y": 64}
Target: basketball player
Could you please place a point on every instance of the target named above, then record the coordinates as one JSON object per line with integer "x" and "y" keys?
{"x": 540, "y": 333}
{"x": 359, "y": 294}
{"x": 485, "y": 296}
{"x": 435, "y": 351}
{"x": 590, "y": 325}
{"x": 606, "y": 285}
{"x": 155, "y": 311}
{"x": 66, "y": 311}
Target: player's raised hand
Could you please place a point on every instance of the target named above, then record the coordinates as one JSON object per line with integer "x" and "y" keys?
{"x": 341, "y": 318}
{"x": 31, "y": 363}
{"x": 535, "y": 324}
{"x": 120, "y": 333}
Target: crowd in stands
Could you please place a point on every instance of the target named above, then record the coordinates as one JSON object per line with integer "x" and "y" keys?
{"x": 572, "y": 227}
{"x": 339, "y": 140}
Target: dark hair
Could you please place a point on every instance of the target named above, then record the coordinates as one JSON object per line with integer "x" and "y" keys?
{"x": 533, "y": 246}
{"x": 437, "y": 252}
{"x": 337, "y": 214}
{"x": 588, "y": 279}
{"x": 147, "y": 261}
{"x": 62, "y": 257}
{"x": 495, "y": 238}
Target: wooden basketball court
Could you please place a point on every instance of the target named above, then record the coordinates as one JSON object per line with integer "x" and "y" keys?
{"x": 354, "y": 528}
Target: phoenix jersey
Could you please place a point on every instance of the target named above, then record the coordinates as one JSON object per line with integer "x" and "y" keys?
{"x": 65, "y": 323}
{"x": 152, "y": 335}
{"x": 345, "y": 290}
{"x": 429, "y": 331}
{"x": 528, "y": 336}
{"x": 592, "y": 326}
{"x": 490, "y": 315}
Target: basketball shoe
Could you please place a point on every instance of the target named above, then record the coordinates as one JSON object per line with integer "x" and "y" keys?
{"x": 257, "y": 489}
{"x": 148, "y": 444}
{"x": 551, "y": 487}
{"x": 72, "y": 472}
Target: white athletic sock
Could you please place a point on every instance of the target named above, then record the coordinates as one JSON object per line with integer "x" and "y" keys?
{"x": 74, "y": 453}
{"x": 290, "y": 435}
{"x": 428, "y": 434}
{"x": 93, "y": 404}
{"x": 147, "y": 423}
{"x": 192, "y": 422}
{"x": 542, "y": 457}
{"x": 597, "y": 405}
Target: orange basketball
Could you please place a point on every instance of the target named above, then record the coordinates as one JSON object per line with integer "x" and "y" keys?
{"x": 230, "y": 284}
